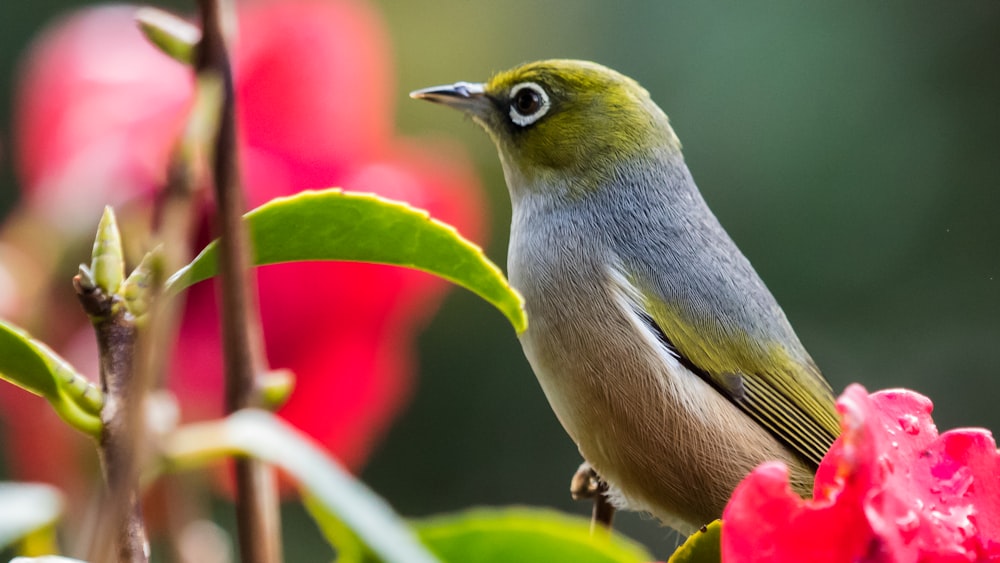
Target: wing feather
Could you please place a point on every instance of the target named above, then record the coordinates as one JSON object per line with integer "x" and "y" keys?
{"x": 779, "y": 388}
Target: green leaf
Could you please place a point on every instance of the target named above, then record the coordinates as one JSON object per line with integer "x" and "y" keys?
{"x": 263, "y": 436}
{"x": 349, "y": 547}
{"x": 33, "y": 366}
{"x": 702, "y": 546}
{"x": 496, "y": 535}
{"x": 337, "y": 225}
{"x": 523, "y": 534}
{"x": 27, "y": 507}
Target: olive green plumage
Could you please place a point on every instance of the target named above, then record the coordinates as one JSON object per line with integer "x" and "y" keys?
{"x": 659, "y": 348}
{"x": 583, "y": 103}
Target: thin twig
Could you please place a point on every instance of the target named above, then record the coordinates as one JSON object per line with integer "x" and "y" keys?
{"x": 116, "y": 339}
{"x": 256, "y": 500}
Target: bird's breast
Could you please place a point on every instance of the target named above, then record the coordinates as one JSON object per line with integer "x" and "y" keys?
{"x": 601, "y": 378}
{"x": 668, "y": 441}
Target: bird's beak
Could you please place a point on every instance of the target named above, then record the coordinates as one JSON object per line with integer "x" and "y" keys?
{"x": 468, "y": 97}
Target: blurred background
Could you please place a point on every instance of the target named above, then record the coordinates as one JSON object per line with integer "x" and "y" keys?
{"x": 851, "y": 150}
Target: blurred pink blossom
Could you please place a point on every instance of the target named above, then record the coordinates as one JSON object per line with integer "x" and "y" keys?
{"x": 98, "y": 111}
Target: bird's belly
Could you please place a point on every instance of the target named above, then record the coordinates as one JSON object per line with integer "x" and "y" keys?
{"x": 666, "y": 441}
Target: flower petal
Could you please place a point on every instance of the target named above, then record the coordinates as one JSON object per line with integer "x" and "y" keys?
{"x": 890, "y": 489}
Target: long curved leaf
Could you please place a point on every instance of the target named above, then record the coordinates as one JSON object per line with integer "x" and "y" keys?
{"x": 337, "y": 225}
{"x": 264, "y": 436}
{"x": 33, "y": 366}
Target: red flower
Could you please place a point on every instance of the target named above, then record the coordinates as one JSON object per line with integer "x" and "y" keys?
{"x": 890, "y": 490}
{"x": 98, "y": 111}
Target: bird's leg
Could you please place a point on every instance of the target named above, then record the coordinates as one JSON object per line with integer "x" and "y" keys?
{"x": 587, "y": 484}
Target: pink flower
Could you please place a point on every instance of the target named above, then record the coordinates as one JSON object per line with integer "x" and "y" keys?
{"x": 890, "y": 490}
{"x": 98, "y": 112}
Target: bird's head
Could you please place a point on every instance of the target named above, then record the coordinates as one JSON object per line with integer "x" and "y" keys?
{"x": 567, "y": 119}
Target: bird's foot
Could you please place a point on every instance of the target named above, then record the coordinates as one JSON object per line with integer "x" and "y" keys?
{"x": 587, "y": 484}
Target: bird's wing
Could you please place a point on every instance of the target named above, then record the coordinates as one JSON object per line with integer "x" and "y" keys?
{"x": 780, "y": 388}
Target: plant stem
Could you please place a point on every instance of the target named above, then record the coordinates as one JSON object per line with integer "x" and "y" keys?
{"x": 116, "y": 340}
{"x": 256, "y": 496}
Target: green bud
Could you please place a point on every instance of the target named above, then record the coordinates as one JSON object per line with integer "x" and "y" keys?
{"x": 107, "y": 260}
{"x": 137, "y": 290}
{"x": 172, "y": 35}
{"x": 275, "y": 387}
{"x": 86, "y": 278}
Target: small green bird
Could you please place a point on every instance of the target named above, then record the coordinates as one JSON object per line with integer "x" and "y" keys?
{"x": 661, "y": 351}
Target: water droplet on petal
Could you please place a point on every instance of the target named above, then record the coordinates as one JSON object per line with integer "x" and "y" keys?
{"x": 885, "y": 465}
{"x": 966, "y": 529}
{"x": 908, "y": 525}
{"x": 959, "y": 483}
{"x": 910, "y": 424}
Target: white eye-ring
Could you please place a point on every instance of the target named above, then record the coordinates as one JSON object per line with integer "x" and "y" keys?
{"x": 528, "y": 103}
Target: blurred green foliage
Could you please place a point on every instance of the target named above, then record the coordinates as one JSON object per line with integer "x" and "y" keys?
{"x": 851, "y": 149}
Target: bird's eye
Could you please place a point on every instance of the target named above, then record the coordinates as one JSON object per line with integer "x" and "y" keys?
{"x": 528, "y": 103}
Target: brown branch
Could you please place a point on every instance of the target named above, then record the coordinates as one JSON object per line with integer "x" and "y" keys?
{"x": 256, "y": 496}
{"x": 116, "y": 339}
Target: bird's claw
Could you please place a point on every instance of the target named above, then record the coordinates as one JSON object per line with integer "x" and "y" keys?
{"x": 586, "y": 483}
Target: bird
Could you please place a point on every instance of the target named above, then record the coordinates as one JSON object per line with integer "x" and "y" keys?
{"x": 659, "y": 348}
